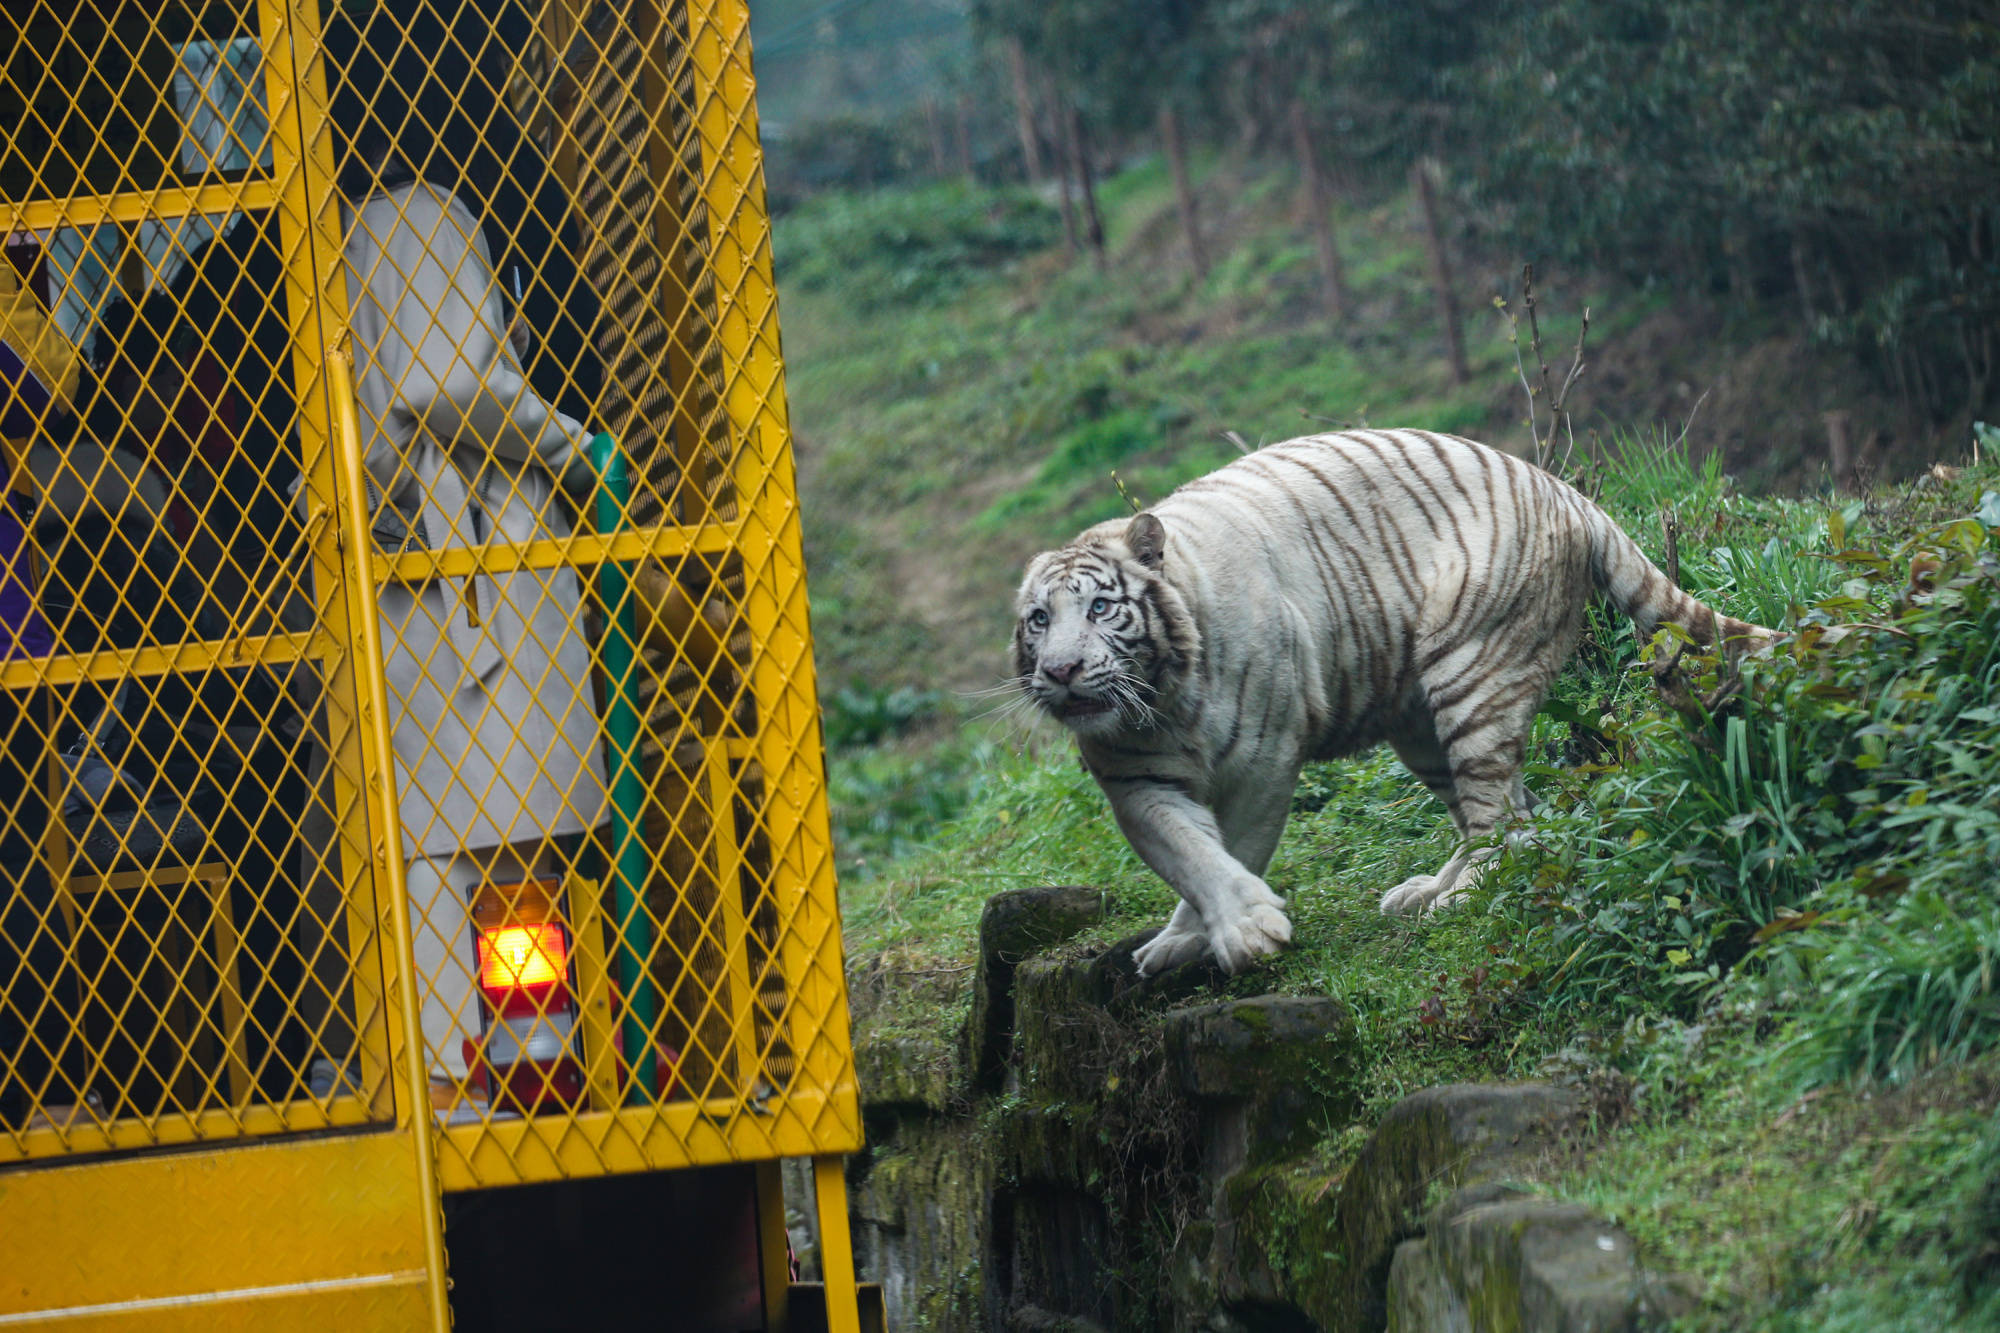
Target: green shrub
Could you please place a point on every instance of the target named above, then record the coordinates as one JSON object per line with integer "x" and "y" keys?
{"x": 888, "y": 803}
{"x": 908, "y": 246}
{"x": 861, "y": 715}
{"x": 849, "y": 150}
{"x": 1976, "y": 1228}
{"x": 1840, "y": 819}
{"x": 1097, "y": 446}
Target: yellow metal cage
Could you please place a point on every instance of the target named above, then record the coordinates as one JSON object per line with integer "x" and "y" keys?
{"x": 402, "y": 549}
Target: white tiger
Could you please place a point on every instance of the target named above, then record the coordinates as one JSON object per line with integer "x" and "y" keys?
{"x": 1305, "y": 602}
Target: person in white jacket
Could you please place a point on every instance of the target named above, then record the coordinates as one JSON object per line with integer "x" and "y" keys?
{"x": 496, "y": 737}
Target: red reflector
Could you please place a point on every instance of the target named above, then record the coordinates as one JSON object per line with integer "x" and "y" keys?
{"x": 514, "y": 957}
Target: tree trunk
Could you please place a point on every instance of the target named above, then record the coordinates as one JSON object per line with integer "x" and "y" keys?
{"x": 1802, "y": 279}
{"x": 962, "y": 136}
{"x": 1742, "y": 282}
{"x": 1170, "y": 138}
{"x": 1840, "y": 452}
{"x": 1024, "y": 113}
{"x": 1447, "y": 299}
{"x": 1319, "y": 214}
{"x": 934, "y": 123}
{"x": 1065, "y": 169}
{"x": 1077, "y": 148}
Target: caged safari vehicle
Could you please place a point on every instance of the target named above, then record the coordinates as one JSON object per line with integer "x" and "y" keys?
{"x": 416, "y": 903}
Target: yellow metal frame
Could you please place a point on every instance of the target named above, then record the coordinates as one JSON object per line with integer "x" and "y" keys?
{"x": 111, "y": 1249}
{"x": 346, "y": 641}
{"x": 785, "y": 1082}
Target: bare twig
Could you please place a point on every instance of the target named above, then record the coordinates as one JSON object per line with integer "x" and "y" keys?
{"x": 1559, "y": 409}
{"x": 1556, "y": 396}
{"x": 1521, "y": 370}
{"x": 1535, "y": 345}
{"x": 1576, "y": 362}
{"x": 1689, "y": 423}
{"x": 1670, "y": 523}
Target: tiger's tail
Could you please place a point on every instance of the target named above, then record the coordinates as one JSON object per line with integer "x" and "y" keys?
{"x": 1636, "y": 586}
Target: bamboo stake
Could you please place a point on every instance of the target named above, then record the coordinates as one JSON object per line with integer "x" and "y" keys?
{"x": 1447, "y": 299}
{"x": 1319, "y": 214}
{"x": 1170, "y": 138}
{"x": 1024, "y": 112}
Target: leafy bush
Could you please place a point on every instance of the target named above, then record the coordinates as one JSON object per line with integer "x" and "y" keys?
{"x": 1099, "y": 445}
{"x": 906, "y": 246}
{"x": 887, "y": 803}
{"x": 847, "y": 150}
{"x": 1976, "y": 1228}
{"x": 860, "y": 715}
{"x": 1841, "y": 819}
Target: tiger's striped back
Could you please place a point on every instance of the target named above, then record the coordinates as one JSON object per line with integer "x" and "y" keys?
{"x": 1411, "y": 562}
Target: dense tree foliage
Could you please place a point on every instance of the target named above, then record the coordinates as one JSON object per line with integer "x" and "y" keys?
{"x": 1845, "y": 157}
{"x": 1840, "y": 162}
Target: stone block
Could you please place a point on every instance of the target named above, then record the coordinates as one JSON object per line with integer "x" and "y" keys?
{"x": 1504, "y": 1262}
{"x": 904, "y": 1071}
{"x": 1239, "y": 1048}
{"x": 1451, "y": 1136}
{"x": 1016, "y": 925}
{"x": 1421, "y": 1300}
{"x": 1271, "y": 1072}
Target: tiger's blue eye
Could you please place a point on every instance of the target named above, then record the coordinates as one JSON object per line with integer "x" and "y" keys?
{"x": 1098, "y": 606}
{"x": 1037, "y": 618}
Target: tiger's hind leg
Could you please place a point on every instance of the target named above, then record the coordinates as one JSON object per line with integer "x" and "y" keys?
{"x": 1482, "y": 741}
{"x": 1425, "y": 757}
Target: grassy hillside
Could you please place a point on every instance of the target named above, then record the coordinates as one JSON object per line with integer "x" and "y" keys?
{"x": 1765, "y": 937}
{"x": 963, "y": 389}
{"x": 966, "y": 393}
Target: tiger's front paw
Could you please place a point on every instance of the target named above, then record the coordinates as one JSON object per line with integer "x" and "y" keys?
{"x": 1170, "y": 948}
{"x": 1420, "y": 894}
{"x": 1259, "y": 930}
{"x": 1410, "y": 897}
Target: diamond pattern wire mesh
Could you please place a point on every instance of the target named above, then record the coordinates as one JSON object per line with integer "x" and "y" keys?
{"x": 528, "y": 225}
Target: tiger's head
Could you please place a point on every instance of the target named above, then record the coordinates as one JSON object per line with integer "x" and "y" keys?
{"x": 1101, "y": 637}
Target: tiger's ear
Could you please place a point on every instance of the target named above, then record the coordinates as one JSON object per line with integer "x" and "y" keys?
{"x": 1146, "y": 538}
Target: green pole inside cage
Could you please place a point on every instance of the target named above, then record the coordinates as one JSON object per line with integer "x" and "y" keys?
{"x": 629, "y": 862}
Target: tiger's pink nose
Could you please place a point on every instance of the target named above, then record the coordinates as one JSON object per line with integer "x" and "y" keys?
{"x": 1062, "y": 673}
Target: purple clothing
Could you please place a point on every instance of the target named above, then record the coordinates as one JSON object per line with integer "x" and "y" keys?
{"x": 23, "y": 632}
{"x": 27, "y": 396}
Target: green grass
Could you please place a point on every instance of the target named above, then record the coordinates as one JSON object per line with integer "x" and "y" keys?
{"x": 1843, "y": 1211}
{"x": 910, "y": 247}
